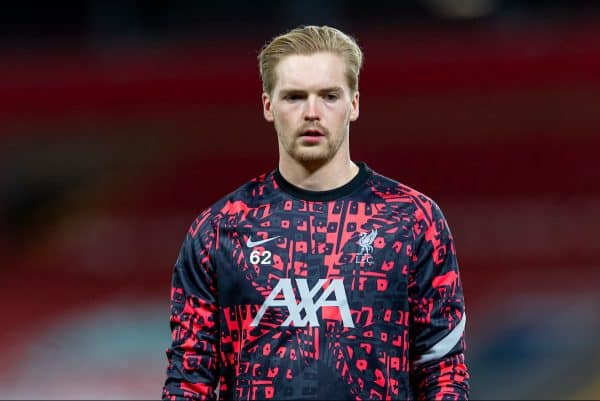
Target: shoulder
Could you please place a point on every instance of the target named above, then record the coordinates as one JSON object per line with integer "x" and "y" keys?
{"x": 238, "y": 202}
{"x": 398, "y": 195}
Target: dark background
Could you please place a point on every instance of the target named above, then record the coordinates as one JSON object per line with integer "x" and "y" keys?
{"x": 121, "y": 121}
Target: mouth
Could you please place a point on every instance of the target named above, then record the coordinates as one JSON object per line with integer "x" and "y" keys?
{"x": 312, "y": 133}
{"x": 312, "y": 137}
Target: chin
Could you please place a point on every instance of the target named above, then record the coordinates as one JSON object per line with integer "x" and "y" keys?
{"x": 312, "y": 156}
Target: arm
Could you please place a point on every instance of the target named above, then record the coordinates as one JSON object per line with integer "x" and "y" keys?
{"x": 438, "y": 318}
{"x": 192, "y": 373}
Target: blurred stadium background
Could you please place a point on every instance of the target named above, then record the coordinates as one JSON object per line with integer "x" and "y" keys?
{"x": 120, "y": 121}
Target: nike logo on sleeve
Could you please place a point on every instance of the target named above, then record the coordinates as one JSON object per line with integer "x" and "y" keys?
{"x": 251, "y": 244}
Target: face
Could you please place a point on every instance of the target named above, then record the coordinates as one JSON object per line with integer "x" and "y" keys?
{"x": 311, "y": 107}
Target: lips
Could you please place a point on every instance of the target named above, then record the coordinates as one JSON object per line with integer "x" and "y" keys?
{"x": 312, "y": 132}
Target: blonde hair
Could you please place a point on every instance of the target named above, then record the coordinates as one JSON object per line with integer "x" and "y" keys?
{"x": 306, "y": 40}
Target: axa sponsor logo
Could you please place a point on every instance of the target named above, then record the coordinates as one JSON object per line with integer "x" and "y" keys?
{"x": 303, "y": 311}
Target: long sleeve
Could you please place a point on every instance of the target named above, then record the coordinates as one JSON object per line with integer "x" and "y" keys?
{"x": 192, "y": 373}
{"x": 438, "y": 369}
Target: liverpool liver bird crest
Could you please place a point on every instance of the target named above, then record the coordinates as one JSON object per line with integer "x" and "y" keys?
{"x": 365, "y": 241}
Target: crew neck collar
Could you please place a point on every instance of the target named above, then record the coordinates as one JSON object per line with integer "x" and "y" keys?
{"x": 323, "y": 196}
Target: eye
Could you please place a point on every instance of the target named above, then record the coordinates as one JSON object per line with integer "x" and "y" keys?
{"x": 331, "y": 97}
{"x": 292, "y": 97}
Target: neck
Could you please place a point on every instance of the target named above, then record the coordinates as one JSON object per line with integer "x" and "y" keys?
{"x": 318, "y": 176}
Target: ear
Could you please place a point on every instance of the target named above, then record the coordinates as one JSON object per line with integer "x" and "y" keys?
{"x": 354, "y": 105}
{"x": 267, "y": 107}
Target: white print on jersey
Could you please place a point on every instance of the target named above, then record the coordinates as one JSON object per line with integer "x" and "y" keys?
{"x": 306, "y": 304}
{"x": 252, "y": 244}
{"x": 366, "y": 247}
{"x": 264, "y": 257}
{"x": 366, "y": 242}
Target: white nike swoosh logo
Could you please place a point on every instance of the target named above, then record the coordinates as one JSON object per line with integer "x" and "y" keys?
{"x": 251, "y": 244}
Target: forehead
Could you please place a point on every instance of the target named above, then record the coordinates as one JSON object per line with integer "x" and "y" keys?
{"x": 314, "y": 71}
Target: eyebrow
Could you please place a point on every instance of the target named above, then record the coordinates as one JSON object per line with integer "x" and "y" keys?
{"x": 332, "y": 89}
{"x": 289, "y": 91}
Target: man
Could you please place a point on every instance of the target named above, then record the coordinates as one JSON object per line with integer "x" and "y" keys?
{"x": 321, "y": 279}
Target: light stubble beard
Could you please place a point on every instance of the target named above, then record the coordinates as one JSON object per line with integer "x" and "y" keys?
{"x": 315, "y": 156}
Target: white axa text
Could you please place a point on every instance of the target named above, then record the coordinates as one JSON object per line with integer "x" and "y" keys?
{"x": 306, "y": 304}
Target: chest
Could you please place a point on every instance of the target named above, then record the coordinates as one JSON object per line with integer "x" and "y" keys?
{"x": 337, "y": 258}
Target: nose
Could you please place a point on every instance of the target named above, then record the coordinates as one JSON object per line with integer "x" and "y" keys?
{"x": 311, "y": 110}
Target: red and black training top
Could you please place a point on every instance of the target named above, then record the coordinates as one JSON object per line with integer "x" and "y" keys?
{"x": 284, "y": 293}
